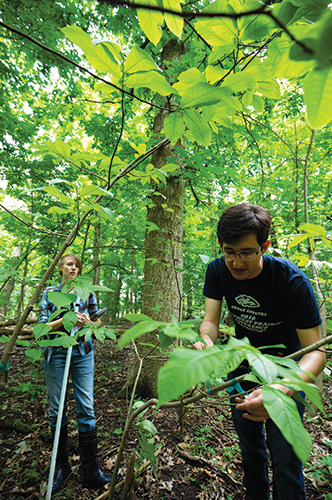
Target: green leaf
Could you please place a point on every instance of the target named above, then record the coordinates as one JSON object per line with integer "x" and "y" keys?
{"x": 151, "y": 80}
{"x": 137, "y": 317}
{"x": 186, "y": 368}
{"x": 313, "y": 229}
{"x": 174, "y": 23}
{"x": 60, "y": 299}
{"x": 139, "y": 329}
{"x": 174, "y": 127}
{"x": 262, "y": 367}
{"x": 151, "y": 21}
{"x": 197, "y": 126}
{"x": 42, "y": 329}
{"x": 62, "y": 341}
{"x": 138, "y": 60}
{"x": 164, "y": 340}
{"x": 110, "y": 333}
{"x": 241, "y": 81}
{"x": 4, "y": 338}
{"x": 147, "y": 427}
{"x": 205, "y": 258}
{"x": 109, "y": 214}
{"x": 34, "y": 354}
{"x": 297, "y": 239}
{"x": 94, "y": 190}
{"x": 203, "y": 94}
{"x": 318, "y": 97}
{"x": 283, "y": 411}
{"x": 82, "y": 290}
{"x": 100, "y": 58}
{"x": 69, "y": 320}
{"x": 57, "y": 194}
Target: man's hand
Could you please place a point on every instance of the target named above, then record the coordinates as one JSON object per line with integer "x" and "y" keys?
{"x": 200, "y": 345}
{"x": 253, "y": 404}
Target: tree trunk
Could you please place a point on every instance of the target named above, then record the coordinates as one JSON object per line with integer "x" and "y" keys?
{"x": 162, "y": 292}
{"x": 9, "y": 286}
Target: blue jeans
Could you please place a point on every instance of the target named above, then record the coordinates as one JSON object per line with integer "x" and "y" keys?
{"x": 288, "y": 480}
{"x": 81, "y": 369}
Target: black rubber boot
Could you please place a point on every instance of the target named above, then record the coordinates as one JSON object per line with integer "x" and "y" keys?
{"x": 62, "y": 465}
{"x": 93, "y": 477}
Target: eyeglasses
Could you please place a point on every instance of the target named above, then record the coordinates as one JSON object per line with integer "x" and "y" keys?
{"x": 245, "y": 256}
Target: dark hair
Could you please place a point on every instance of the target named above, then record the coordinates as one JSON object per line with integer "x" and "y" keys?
{"x": 72, "y": 256}
{"x": 241, "y": 220}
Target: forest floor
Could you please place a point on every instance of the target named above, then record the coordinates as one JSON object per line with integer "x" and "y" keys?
{"x": 202, "y": 463}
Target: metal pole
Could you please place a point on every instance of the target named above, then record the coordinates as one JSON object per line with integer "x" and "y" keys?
{"x": 60, "y": 413}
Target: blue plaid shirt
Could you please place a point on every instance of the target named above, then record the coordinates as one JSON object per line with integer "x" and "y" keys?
{"x": 47, "y": 308}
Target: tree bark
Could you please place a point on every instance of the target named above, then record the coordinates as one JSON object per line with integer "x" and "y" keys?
{"x": 162, "y": 289}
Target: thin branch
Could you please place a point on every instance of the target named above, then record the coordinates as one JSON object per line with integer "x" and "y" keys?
{"x": 258, "y": 148}
{"x": 264, "y": 10}
{"x": 31, "y": 226}
{"x": 81, "y": 68}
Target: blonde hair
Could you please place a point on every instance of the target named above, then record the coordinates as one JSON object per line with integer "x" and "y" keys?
{"x": 71, "y": 256}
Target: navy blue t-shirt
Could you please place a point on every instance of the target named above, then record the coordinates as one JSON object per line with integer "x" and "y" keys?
{"x": 268, "y": 308}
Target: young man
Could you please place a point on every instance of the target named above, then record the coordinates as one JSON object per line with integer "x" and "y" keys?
{"x": 272, "y": 302}
{"x": 81, "y": 367}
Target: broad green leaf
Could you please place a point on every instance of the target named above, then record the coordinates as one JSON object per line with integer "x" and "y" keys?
{"x": 262, "y": 367}
{"x": 99, "y": 288}
{"x": 214, "y": 74}
{"x": 217, "y": 31}
{"x": 203, "y": 94}
{"x": 110, "y": 333}
{"x": 147, "y": 426}
{"x": 186, "y": 368}
{"x": 285, "y": 11}
{"x": 109, "y": 214}
{"x": 191, "y": 76}
{"x": 205, "y": 258}
{"x": 82, "y": 290}
{"x": 60, "y": 299}
{"x": 174, "y": 127}
{"x": 94, "y": 190}
{"x": 152, "y": 80}
{"x": 258, "y": 103}
{"x": 100, "y": 58}
{"x": 313, "y": 229}
{"x": 283, "y": 411}
{"x": 281, "y": 64}
{"x": 4, "y": 338}
{"x": 257, "y": 27}
{"x": 58, "y": 210}
{"x": 34, "y": 354}
{"x": 175, "y": 23}
{"x": 69, "y": 320}
{"x": 139, "y": 60}
{"x": 42, "y": 329}
{"x": 240, "y": 81}
{"x": 318, "y": 97}
{"x": 52, "y": 190}
{"x": 111, "y": 47}
{"x": 56, "y": 313}
{"x": 151, "y": 21}
{"x": 269, "y": 89}
{"x": 197, "y": 126}
{"x": 63, "y": 341}
{"x": 139, "y": 329}
{"x": 181, "y": 332}
{"x": 164, "y": 340}
{"x": 297, "y": 239}
{"x": 170, "y": 167}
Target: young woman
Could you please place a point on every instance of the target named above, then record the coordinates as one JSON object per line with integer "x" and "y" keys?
{"x": 81, "y": 368}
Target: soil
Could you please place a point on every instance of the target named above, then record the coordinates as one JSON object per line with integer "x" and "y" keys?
{"x": 202, "y": 462}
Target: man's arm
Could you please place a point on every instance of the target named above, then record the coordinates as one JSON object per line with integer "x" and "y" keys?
{"x": 210, "y": 326}
{"x": 313, "y": 362}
